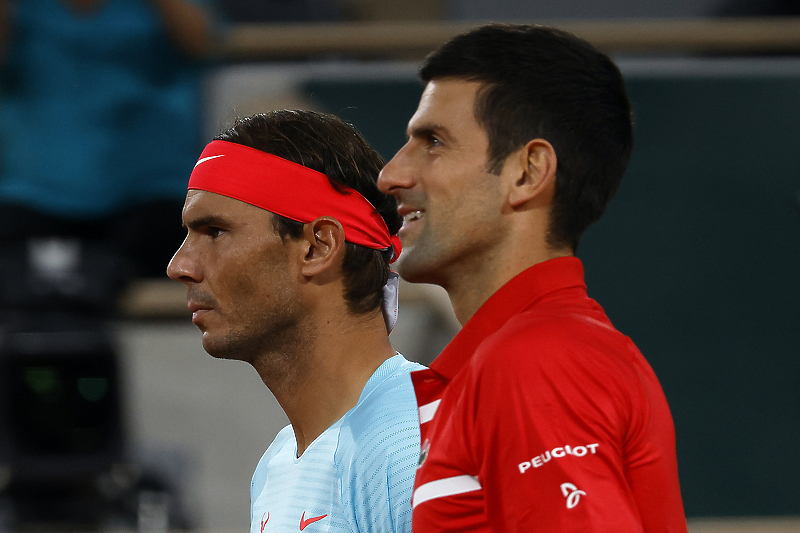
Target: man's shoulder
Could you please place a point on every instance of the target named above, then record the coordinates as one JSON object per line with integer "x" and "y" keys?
{"x": 378, "y": 449}
{"x": 566, "y": 340}
{"x": 284, "y": 438}
{"x": 384, "y": 426}
{"x": 389, "y": 406}
{"x": 392, "y": 376}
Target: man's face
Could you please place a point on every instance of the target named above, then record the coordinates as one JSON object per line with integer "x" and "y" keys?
{"x": 240, "y": 285}
{"x": 451, "y": 204}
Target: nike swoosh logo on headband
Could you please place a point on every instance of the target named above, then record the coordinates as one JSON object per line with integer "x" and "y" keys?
{"x": 203, "y": 160}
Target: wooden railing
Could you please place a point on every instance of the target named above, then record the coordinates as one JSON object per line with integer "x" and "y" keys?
{"x": 416, "y": 39}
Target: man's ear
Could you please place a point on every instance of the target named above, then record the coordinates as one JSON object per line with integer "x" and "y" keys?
{"x": 535, "y": 171}
{"x": 324, "y": 238}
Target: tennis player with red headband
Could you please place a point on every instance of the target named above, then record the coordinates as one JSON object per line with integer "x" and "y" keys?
{"x": 286, "y": 264}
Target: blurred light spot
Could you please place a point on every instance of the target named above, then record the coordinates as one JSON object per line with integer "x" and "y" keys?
{"x": 41, "y": 380}
{"x": 92, "y": 389}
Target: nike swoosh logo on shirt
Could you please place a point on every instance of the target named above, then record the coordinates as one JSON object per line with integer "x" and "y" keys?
{"x": 305, "y": 523}
{"x": 204, "y": 159}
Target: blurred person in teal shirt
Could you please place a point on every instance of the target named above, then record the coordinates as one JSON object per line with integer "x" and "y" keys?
{"x": 99, "y": 121}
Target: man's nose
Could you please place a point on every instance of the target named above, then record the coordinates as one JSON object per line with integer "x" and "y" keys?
{"x": 398, "y": 173}
{"x": 182, "y": 267}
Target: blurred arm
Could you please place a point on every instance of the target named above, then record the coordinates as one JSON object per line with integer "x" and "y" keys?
{"x": 188, "y": 26}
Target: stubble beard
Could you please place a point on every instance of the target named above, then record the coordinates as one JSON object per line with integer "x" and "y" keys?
{"x": 420, "y": 262}
{"x": 276, "y": 345}
{"x": 413, "y": 264}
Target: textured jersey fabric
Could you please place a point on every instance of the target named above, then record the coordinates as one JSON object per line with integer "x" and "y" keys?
{"x": 540, "y": 416}
{"x": 357, "y": 476}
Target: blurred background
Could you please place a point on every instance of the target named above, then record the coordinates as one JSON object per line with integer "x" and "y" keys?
{"x": 112, "y": 417}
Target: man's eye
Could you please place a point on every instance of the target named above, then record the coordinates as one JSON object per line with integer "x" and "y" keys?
{"x": 433, "y": 141}
{"x": 213, "y": 232}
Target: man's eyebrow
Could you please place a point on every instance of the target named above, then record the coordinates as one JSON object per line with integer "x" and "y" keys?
{"x": 206, "y": 220}
{"x": 425, "y": 130}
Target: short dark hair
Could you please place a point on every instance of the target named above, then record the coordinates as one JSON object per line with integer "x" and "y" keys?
{"x": 540, "y": 82}
{"x": 327, "y": 144}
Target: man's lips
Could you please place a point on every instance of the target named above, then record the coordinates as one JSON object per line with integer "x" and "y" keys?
{"x": 197, "y": 310}
{"x": 194, "y": 307}
{"x": 410, "y": 214}
{"x": 412, "y": 217}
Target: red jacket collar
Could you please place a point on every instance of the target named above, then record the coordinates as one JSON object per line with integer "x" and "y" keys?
{"x": 522, "y": 291}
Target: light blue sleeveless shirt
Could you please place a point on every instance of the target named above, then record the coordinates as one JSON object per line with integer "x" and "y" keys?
{"x": 357, "y": 476}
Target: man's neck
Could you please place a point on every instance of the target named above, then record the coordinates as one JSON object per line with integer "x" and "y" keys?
{"x": 332, "y": 370}
{"x": 469, "y": 289}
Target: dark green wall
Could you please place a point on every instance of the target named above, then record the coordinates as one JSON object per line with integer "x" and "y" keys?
{"x": 697, "y": 260}
{"x": 380, "y": 109}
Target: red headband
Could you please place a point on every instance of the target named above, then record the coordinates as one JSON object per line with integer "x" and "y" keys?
{"x": 290, "y": 190}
